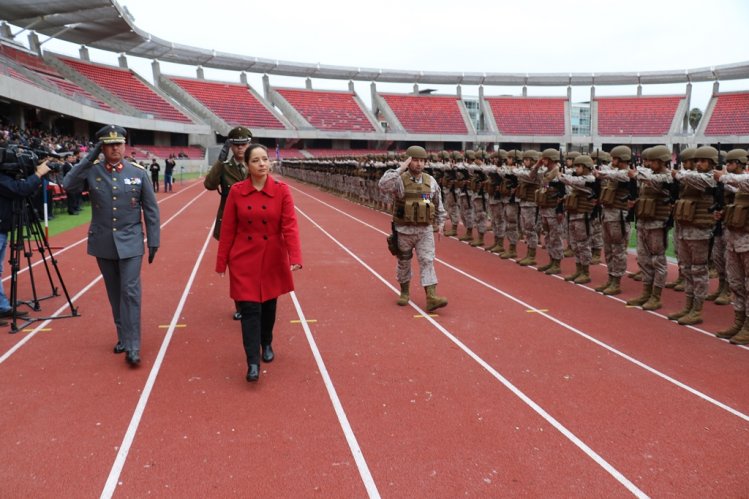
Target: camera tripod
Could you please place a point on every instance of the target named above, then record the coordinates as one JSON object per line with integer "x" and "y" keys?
{"x": 27, "y": 234}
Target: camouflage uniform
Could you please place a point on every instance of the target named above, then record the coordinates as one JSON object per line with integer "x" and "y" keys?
{"x": 528, "y": 184}
{"x": 548, "y": 199}
{"x": 579, "y": 204}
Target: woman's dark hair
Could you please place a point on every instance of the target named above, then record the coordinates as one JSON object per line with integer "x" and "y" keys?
{"x": 251, "y": 148}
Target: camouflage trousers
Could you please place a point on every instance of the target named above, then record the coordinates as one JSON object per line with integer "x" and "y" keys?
{"x": 529, "y": 225}
{"x": 718, "y": 256}
{"x": 423, "y": 244}
{"x": 596, "y": 233}
{"x": 480, "y": 217}
{"x": 651, "y": 256}
{"x": 498, "y": 220}
{"x": 553, "y": 228}
{"x": 579, "y": 238}
{"x": 511, "y": 215}
{"x": 466, "y": 211}
{"x": 452, "y": 208}
{"x": 693, "y": 256}
{"x": 615, "y": 241}
{"x": 737, "y": 272}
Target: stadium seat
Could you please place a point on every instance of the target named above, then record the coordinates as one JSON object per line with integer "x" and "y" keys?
{"x": 528, "y": 115}
{"x": 636, "y": 116}
{"x": 327, "y": 110}
{"x": 730, "y": 115}
{"x": 427, "y": 113}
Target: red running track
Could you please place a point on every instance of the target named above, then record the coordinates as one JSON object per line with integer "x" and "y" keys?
{"x": 523, "y": 385}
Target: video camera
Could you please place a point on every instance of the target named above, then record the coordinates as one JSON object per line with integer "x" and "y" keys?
{"x": 18, "y": 161}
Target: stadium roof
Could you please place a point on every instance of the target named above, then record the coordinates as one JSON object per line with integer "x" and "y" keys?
{"x": 105, "y": 25}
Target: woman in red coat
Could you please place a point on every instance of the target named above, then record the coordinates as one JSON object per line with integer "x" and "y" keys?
{"x": 259, "y": 242}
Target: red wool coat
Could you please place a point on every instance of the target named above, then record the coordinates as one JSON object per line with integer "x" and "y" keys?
{"x": 259, "y": 241}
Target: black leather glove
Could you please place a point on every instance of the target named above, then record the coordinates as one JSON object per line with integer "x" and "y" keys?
{"x": 224, "y": 151}
{"x": 152, "y": 253}
{"x": 93, "y": 154}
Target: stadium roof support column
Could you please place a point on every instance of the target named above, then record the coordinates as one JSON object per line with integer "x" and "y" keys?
{"x": 459, "y": 91}
{"x": 123, "y": 61}
{"x": 716, "y": 87}
{"x": 34, "y": 44}
{"x": 593, "y": 112}
{"x": 156, "y": 70}
{"x": 243, "y": 78}
{"x": 685, "y": 123}
{"x": 373, "y": 96}
{"x": 266, "y": 87}
{"x": 83, "y": 53}
{"x": 416, "y": 88}
{"x": 5, "y": 31}
{"x": 308, "y": 84}
{"x": 351, "y": 86}
{"x": 200, "y": 73}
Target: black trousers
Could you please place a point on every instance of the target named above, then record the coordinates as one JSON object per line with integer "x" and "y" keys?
{"x": 258, "y": 320}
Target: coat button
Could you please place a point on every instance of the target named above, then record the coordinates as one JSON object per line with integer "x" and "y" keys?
{"x": 263, "y": 206}
{"x": 265, "y": 237}
{"x": 249, "y": 238}
{"x": 249, "y": 207}
{"x": 249, "y": 221}
{"x": 265, "y": 222}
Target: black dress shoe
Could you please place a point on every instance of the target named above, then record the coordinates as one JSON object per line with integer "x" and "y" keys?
{"x": 119, "y": 348}
{"x": 253, "y": 373}
{"x": 133, "y": 357}
{"x": 268, "y": 355}
{"x": 9, "y": 313}
{"x": 237, "y": 316}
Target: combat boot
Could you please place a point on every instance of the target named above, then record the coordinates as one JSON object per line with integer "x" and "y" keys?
{"x": 468, "y": 236}
{"x": 694, "y": 316}
{"x": 576, "y": 274}
{"x": 654, "y": 302}
{"x": 452, "y": 231}
{"x": 679, "y": 280}
{"x": 555, "y": 268}
{"x": 637, "y": 276}
{"x": 530, "y": 258}
{"x": 405, "y": 294}
{"x": 681, "y": 286}
{"x": 433, "y": 301}
{"x": 499, "y": 246}
{"x": 596, "y": 256}
{"x": 568, "y": 252}
{"x": 684, "y": 311}
{"x": 599, "y": 289}
{"x": 724, "y": 298}
{"x": 647, "y": 290}
{"x": 544, "y": 268}
{"x": 584, "y": 277}
{"x": 512, "y": 252}
{"x": 733, "y": 330}
{"x": 715, "y": 294}
{"x": 614, "y": 288}
{"x": 742, "y": 337}
{"x": 479, "y": 241}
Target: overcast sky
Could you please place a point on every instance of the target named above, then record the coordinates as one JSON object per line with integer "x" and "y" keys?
{"x": 531, "y": 36}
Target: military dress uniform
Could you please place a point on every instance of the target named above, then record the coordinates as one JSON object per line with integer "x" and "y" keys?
{"x": 120, "y": 194}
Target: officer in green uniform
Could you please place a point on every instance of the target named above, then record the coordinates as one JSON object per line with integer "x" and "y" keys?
{"x": 224, "y": 173}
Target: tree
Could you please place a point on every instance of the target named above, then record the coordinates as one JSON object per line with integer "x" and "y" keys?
{"x": 695, "y": 115}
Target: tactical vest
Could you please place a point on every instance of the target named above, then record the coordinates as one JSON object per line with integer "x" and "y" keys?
{"x": 415, "y": 208}
{"x": 614, "y": 195}
{"x": 578, "y": 202}
{"x": 506, "y": 185}
{"x": 652, "y": 205}
{"x": 526, "y": 191}
{"x": 736, "y": 215}
{"x": 547, "y": 197}
{"x": 693, "y": 207}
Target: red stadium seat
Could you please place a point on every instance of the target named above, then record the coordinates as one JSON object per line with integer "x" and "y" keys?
{"x": 730, "y": 115}
{"x": 636, "y": 116}
{"x": 328, "y": 110}
{"x": 528, "y": 115}
{"x": 427, "y": 113}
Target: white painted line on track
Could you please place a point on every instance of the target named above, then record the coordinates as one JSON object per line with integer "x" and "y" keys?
{"x": 618, "y": 476}
{"x": 569, "y": 327}
{"x": 57, "y": 312}
{"x": 353, "y": 444}
{"x": 127, "y": 441}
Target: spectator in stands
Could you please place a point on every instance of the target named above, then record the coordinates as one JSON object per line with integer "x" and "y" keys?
{"x": 155, "y": 168}
{"x": 226, "y": 172}
{"x": 169, "y": 165}
{"x": 117, "y": 242}
{"x": 260, "y": 255}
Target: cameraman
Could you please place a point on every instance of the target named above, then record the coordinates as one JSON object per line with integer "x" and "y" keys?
{"x": 12, "y": 189}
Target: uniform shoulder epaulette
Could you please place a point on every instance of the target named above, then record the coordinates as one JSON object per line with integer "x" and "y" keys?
{"x": 137, "y": 165}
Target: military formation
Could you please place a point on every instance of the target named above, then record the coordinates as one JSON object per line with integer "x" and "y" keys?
{"x": 585, "y": 206}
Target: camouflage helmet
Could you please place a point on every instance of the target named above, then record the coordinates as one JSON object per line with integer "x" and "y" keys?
{"x": 645, "y": 152}
{"x": 416, "y": 152}
{"x": 470, "y": 154}
{"x": 571, "y": 155}
{"x": 739, "y": 155}
{"x": 661, "y": 153}
{"x": 707, "y": 152}
{"x": 457, "y": 155}
{"x": 604, "y": 157}
{"x": 687, "y": 154}
{"x": 551, "y": 154}
{"x": 502, "y": 154}
{"x": 445, "y": 155}
{"x": 583, "y": 160}
{"x": 624, "y": 153}
{"x": 530, "y": 154}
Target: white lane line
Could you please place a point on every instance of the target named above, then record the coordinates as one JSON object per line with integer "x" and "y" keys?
{"x": 81, "y": 241}
{"x": 353, "y": 444}
{"x": 618, "y": 476}
{"x": 57, "y": 312}
{"x": 127, "y": 441}
{"x": 569, "y": 327}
